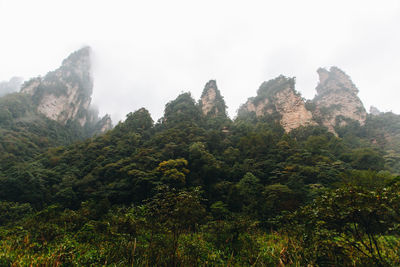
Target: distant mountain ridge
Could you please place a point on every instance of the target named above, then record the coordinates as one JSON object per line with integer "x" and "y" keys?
{"x": 63, "y": 96}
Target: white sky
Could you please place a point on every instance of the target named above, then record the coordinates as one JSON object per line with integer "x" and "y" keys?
{"x": 147, "y": 52}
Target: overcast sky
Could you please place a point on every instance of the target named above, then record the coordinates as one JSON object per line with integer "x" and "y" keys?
{"x": 147, "y": 52}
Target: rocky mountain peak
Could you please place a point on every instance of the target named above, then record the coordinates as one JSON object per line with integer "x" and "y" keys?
{"x": 79, "y": 59}
{"x": 211, "y": 101}
{"x": 278, "y": 98}
{"x": 336, "y": 100}
{"x": 334, "y": 80}
{"x": 65, "y": 94}
{"x": 78, "y": 66}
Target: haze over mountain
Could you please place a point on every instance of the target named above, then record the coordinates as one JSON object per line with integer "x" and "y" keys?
{"x": 153, "y": 51}
{"x": 65, "y": 94}
{"x": 240, "y": 133}
{"x": 11, "y": 86}
{"x": 197, "y": 187}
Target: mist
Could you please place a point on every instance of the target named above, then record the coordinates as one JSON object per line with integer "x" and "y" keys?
{"x": 146, "y": 53}
{"x": 11, "y": 86}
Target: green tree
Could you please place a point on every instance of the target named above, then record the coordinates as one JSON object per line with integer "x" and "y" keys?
{"x": 175, "y": 212}
{"x": 173, "y": 172}
{"x": 250, "y": 188}
{"x": 349, "y": 224}
{"x": 138, "y": 121}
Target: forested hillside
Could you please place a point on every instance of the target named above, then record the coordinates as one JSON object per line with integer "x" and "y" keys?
{"x": 199, "y": 189}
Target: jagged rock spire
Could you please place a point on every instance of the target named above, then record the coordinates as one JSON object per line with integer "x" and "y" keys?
{"x": 336, "y": 100}
{"x": 65, "y": 94}
{"x": 211, "y": 101}
{"x": 334, "y": 80}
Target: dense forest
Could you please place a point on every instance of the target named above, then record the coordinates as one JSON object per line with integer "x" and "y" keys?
{"x": 198, "y": 190}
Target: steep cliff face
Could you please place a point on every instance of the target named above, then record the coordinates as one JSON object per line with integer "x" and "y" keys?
{"x": 292, "y": 108}
{"x": 65, "y": 94}
{"x": 337, "y": 100}
{"x": 211, "y": 101}
{"x": 279, "y": 98}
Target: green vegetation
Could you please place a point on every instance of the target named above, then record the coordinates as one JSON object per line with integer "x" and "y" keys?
{"x": 191, "y": 190}
{"x": 24, "y": 133}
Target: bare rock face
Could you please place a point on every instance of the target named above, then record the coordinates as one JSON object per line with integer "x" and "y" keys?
{"x": 279, "y": 97}
{"x": 211, "y": 101}
{"x": 336, "y": 100}
{"x": 292, "y": 108}
{"x": 260, "y": 108}
{"x": 65, "y": 94}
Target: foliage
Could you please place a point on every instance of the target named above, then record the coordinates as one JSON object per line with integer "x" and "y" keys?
{"x": 350, "y": 225}
{"x": 195, "y": 190}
